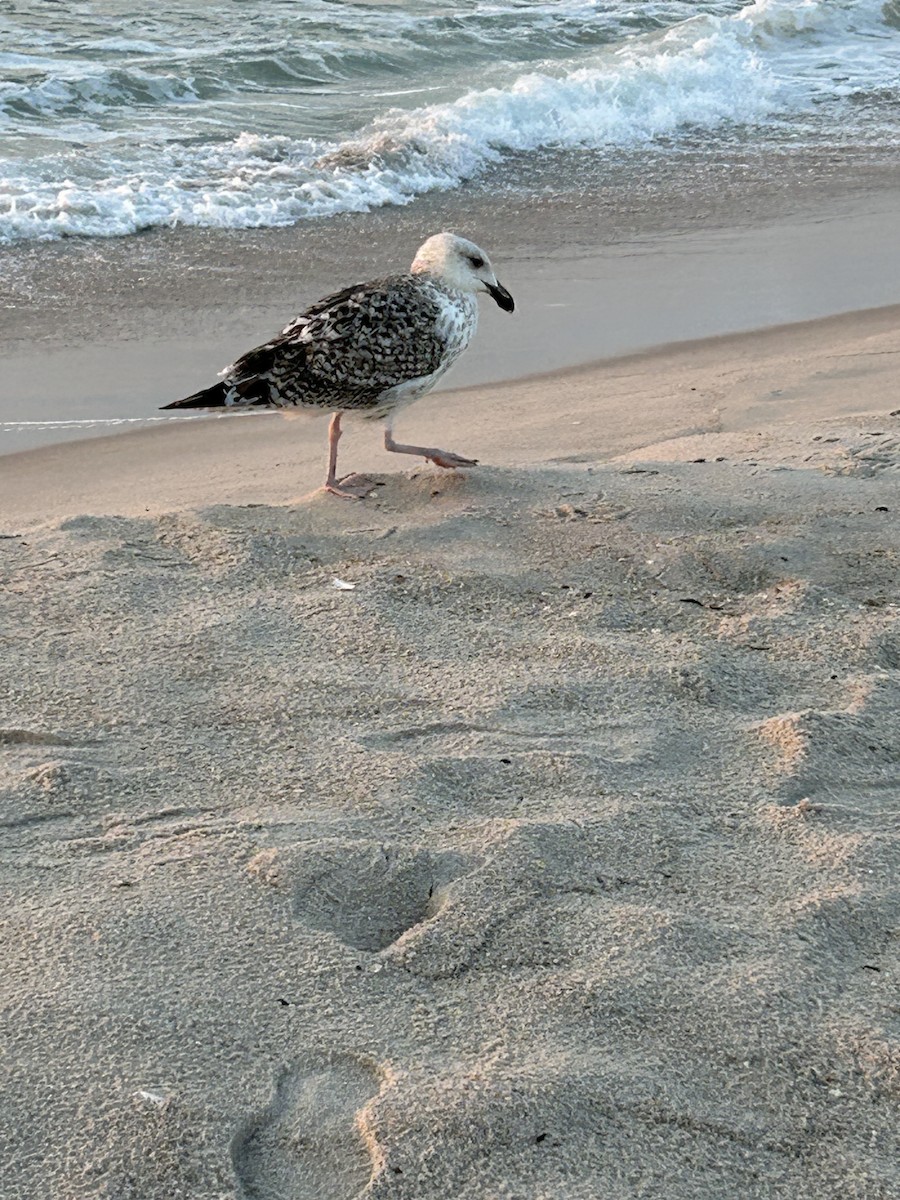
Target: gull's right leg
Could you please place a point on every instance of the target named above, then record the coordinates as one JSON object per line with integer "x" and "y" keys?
{"x": 331, "y": 480}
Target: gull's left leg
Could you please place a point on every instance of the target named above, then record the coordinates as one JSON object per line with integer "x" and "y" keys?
{"x": 334, "y": 436}
{"x": 440, "y": 458}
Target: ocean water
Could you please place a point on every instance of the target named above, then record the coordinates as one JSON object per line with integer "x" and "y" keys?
{"x": 117, "y": 117}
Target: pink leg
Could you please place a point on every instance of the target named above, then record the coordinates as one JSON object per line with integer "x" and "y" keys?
{"x": 334, "y": 436}
{"x": 331, "y": 479}
{"x": 440, "y": 458}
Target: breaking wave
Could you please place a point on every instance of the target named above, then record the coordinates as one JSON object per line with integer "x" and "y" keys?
{"x": 770, "y": 63}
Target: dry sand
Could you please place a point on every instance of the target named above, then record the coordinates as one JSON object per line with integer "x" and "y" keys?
{"x": 556, "y": 859}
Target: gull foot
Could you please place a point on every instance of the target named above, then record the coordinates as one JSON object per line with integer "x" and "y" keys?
{"x": 449, "y": 460}
{"x": 347, "y": 489}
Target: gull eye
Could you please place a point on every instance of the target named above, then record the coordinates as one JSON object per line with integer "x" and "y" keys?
{"x": 476, "y": 262}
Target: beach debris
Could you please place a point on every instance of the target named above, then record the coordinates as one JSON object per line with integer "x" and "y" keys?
{"x": 155, "y": 1098}
{"x": 341, "y": 585}
{"x": 713, "y": 604}
{"x": 569, "y": 512}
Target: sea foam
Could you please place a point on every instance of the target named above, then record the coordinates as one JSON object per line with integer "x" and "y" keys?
{"x": 773, "y": 60}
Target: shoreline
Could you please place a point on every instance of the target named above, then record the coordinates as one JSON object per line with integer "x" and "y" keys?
{"x": 591, "y": 281}
{"x": 797, "y": 372}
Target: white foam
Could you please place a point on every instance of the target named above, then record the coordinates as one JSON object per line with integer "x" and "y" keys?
{"x": 773, "y": 59}
{"x": 101, "y": 422}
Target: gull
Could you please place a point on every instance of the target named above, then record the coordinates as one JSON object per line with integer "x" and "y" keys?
{"x": 370, "y": 349}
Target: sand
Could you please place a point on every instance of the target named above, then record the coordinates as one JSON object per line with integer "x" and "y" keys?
{"x": 551, "y": 856}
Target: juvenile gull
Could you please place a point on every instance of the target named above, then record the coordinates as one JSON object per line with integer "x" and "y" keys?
{"x": 370, "y": 349}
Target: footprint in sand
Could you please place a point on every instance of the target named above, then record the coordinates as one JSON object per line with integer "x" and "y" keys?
{"x": 368, "y": 894}
{"x": 31, "y": 737}
{"x": 313, "y": 1141}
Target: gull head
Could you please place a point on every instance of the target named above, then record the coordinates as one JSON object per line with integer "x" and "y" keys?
{"x": 460, "y": 264}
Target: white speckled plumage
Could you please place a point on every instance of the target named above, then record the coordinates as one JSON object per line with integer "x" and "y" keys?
{"x": 455, "y": 325}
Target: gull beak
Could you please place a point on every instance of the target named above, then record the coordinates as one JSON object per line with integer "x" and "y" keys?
{"x": 501, "y": 295}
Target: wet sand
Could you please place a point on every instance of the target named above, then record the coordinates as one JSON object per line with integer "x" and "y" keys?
{"x": 112, "y": 330}
{"x": 840, "y": 365}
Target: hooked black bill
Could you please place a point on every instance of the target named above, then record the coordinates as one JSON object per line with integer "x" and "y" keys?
{"x": 502, "y": 296}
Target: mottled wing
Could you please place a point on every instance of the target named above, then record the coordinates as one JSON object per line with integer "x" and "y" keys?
{"x": 250, "y": 379}
{"x": 347, "y": 350}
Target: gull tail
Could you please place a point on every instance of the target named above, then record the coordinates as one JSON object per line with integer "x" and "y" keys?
{"x": 211, "y": 397}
